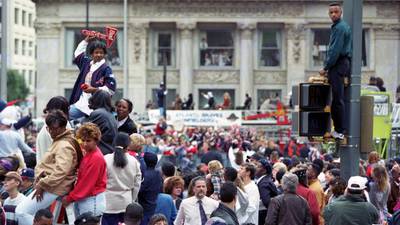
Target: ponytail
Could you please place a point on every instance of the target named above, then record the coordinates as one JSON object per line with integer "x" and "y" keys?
{"x": 120, "y": 157}
{"x": 121, "y": 142}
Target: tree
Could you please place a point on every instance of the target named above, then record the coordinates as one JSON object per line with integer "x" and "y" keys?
{"x": 16, "y": 86}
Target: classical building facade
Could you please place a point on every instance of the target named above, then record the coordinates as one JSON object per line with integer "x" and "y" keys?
{"x": 258, "y": 47}
{"x": 21, "y": 39}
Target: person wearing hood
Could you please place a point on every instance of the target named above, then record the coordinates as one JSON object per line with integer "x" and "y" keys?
{"x": 151, "y": 186}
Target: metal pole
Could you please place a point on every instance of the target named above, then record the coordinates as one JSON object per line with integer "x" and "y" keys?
{"x": 4, "y": 52}
{"x": 165, "y": 82}
{"x": 125, "y": 62}
{"x": 350, "y": 153}
{"x": 87, "y": 14}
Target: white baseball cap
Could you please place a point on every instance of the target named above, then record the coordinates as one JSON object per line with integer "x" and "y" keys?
{"x": 357, "y": 183}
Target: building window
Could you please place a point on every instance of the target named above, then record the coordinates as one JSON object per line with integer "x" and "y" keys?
{"x": 30, "y": 49}
{"x": 23, "y": 47}
{"x": 23, "y": 17}
{"x": 218, "y": 97}
{"x": 270, "y": 48}
{"x": 216, "y": 48}
{"x": 16, "y": 46}
{"x": 164, "y": 43}
{"x": 320, "y": 45}
{"x": 30, "y": 77}
{"x": 30, "y": 22}
{"x": 171, "y": 94}
{"x": 16, "y": 15}
{"x": 267, "y": 99}
{"x": 73, "y": 37}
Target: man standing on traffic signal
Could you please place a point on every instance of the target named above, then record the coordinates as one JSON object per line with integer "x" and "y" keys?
{"x": 338, "y": 66}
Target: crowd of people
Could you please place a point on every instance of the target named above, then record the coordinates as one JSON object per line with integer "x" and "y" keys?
{"x": 110, "y": 171}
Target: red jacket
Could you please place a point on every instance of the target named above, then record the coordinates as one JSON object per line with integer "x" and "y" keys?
{"x": 92, "y": 177}
{"x": 311, "y": 199}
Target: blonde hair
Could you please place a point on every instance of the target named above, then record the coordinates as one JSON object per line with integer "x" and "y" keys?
{"x": 214, "y": 166}
{"x": 380, "y": 176}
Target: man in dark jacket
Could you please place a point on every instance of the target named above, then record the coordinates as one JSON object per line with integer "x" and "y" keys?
{"x": 352, "y": 209}
{"x": 288, "y": 208}
{"x": 266, "y": 187}
{"x": 226, "y": 208}
{"x": 150, "y": 188}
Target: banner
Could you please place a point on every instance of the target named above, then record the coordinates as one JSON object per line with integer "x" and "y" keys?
{"x": 199, "y": 117}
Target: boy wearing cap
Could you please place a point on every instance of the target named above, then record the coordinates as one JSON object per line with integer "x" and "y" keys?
{"x": 28, "y": 177}
{"x": 352, "y": 207}
{"x": 11, "y": 185}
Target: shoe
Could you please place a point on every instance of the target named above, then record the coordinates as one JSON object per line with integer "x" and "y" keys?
{"x": 337, "y": 135}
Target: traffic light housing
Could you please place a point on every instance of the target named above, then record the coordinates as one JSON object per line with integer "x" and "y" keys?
{"x": 311, "y": 116}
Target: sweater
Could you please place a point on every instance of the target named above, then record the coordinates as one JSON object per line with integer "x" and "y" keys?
{"x": 92, "y": 177}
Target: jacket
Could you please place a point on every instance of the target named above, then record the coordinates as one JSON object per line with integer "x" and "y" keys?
{"x": 310, "y": 197}
{"x": 350, "y": 210}
{"x": 393, "y": 196}
{"x": 56, "y": 173}
{"x": 128, "y": 127}
{"x": 123, "y": 184}
{"x": 150, "y": 188}
{"x": 225, "y": 213}
{"x": 290, "y": 209}
{"x": 108, "y": 127}
{"x": 267, "y": 190}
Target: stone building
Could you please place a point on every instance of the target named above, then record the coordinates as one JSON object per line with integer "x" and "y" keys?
{"x": 260, "y": 47}
{"x": 21, "y": 42}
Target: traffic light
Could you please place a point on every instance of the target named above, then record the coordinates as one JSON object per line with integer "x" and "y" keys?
{"x": 311, "y": 116}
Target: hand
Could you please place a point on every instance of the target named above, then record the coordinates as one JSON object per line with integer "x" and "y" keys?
{"x": 89, "y": 38}
{"x": 64, "y": 202}
{"x": 90, "y": 89}
{"x": 38, "y": 193}
{"x": 322, "y": 72}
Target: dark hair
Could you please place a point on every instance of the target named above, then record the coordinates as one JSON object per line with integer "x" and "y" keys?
{"x": 157, "y": 218}
{"x": 100, "y": 99}
{"x": 58, "y": 102}
{"x": 168, "y": 169}
{"x": 280, "y": 174}
{"x": 133, "y": 213}
{"x": 230, "y": 174}
{"x": 121, "y": 142}
{"x": 43, "y": 213}
{"x": 250, "y": 168}
{"x": 338, "y": 186}
{"x": 335, "y": 4}
{"x": 56, "y": 117}
{"x": 130, "y": 105}
{"x": 97, "y": 44}
{"x": 228, "y": 191}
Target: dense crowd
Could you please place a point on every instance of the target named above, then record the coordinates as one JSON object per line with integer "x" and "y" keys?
{"x": 109, "y": 170}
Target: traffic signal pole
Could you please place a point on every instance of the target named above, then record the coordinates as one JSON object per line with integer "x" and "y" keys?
{"x": 350, "y": 152}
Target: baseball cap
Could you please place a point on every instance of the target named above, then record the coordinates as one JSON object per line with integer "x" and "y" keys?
{"x": 7, "y": 122}
{"x": 28, "y": 173}
{"x": 14, "y": 175}
{"x": 357, "y": 183}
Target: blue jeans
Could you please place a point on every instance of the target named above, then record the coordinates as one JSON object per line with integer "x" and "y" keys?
{"x": 27, "y": 209}
{"x": 75, "y": 113}
{"x": 95, "y": 204}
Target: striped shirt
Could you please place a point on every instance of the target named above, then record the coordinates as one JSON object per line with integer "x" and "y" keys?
{"x": 9, "y": 208}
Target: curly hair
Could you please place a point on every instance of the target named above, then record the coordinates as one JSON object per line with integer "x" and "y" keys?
{"x": 89, "y": 130}
{"x": 172, "y": 182}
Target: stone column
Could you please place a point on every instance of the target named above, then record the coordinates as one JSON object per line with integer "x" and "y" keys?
{"x": 186, "y": 58}
{"x": 387, "y": 55}
{"x": 137, "y": 64}
{"x": 246, "y": 61}
{"x": 48, "y": 63}
{"x": 296, "y": 55}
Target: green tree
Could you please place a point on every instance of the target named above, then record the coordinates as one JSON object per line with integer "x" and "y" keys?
{"x": 16, "y": 86}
